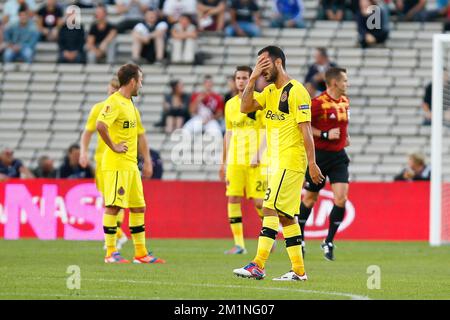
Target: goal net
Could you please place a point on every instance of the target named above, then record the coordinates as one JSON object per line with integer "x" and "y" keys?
{"x": 440, "y": 143}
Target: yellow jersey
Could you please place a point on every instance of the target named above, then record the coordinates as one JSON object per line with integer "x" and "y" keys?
{"x": 284, "y": 109}
{"x": 91, "y": 125}
{"x": 124, "y": 124}
{"x": 247, "y": 131}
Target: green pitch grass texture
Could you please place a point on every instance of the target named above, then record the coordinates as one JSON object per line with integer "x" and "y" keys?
{"x": 198, "y": 269}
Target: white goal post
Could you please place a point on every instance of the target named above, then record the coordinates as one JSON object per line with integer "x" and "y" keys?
{"x": 441, "y": 44}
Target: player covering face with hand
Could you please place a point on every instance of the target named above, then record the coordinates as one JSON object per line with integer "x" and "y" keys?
{"x": 287, "y": 109}
{"x": 243, "y": 150}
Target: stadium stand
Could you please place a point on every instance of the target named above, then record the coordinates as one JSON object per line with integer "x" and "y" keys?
{"x": 43, "y": 106}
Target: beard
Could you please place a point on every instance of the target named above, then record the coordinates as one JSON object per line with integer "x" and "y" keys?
{"x": 271, "y": 75}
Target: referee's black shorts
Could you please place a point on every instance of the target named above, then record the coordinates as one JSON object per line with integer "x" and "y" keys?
{"x": 333, "y": 164}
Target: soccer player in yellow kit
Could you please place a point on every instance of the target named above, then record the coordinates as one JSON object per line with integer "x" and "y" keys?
{"x": 242, "y": 153}
{"x": 287, "y": 108}
{"x": 119, "y": 125}
{"x": 86, "y": 136}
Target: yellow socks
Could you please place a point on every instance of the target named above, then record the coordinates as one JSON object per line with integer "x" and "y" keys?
{"x": 292, "y": 236}
{"x": 235, "y": 219}
{"x": 110, "y": 229}
{"x": 120, "y": 217}
{"x": 266, "y": 239}
{"x": 137, "y": 229}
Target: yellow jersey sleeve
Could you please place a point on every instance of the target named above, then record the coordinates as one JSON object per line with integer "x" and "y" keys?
{"x": 109, "y": 113}
{"x": 228, "y": 125}
{"x": 91, "y": 123}
{"x": 300, "y": 104}
{"x": 140, "y": 127}
{"x": 261, "y": 97}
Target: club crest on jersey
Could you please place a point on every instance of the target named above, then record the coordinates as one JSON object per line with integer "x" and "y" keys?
{"x": 107, "y": 109}
{"x": 121, "y": 191}
{"x": 284, "y": 96}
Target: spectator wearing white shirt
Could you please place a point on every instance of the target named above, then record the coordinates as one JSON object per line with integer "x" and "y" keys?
{"x": 184, "y": 35}
{"x": 133, "y": 12}
{"x": 173, "y": 9}
{"x": 149, "y": 38}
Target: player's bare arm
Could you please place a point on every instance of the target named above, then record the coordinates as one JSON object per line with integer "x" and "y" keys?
{"x": 248, "y": 103}
{"x": 332, "y": 134}
{"x": 84, "y": 147}
{"x": 226, "y": 144}
{"x": 102, "y": 129}
{"x": 314, "y": 170}
{"x": 147, "y": 169}
{"x": 256, "y": 161}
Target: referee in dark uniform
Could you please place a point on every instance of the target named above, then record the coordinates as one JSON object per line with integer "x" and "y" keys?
{"x": 330, "y": 113}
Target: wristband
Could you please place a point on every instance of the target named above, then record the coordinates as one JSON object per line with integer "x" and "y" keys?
{"x": 324, "y": 135}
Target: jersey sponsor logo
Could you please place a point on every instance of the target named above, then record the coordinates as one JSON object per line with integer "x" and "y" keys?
{"x": 317, "y": 224}
{"x": 275, "y": 116}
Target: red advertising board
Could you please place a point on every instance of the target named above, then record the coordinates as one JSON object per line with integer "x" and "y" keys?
{"x": 72, "y": 210}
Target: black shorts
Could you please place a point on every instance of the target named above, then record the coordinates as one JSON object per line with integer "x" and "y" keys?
{"x": 333, "y": 165}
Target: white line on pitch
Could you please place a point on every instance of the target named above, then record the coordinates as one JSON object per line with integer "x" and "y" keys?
{"x": 55, "y": 295}
{"x": 332, "y": 293}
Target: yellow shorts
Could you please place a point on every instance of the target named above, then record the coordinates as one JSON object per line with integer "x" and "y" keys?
{"x": 245, "y": 178}
{"x": 284, "y": 192}
{"x": 99, "y": 180}
{"x": 123, "y": 189}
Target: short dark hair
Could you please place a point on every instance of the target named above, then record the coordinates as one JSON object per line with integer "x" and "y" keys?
{"x": 127, "y": 72}
{"x": 73, "y": 147}
{"x": 23, "y": 8}
{"x": 334, "y": 73}
{"x": 173, "y": 84}
{"x": 274, "y": 53}
{"x": 323, "y": 51}
{"x": 243, "y": 68}
{"x": 207, "y": 77}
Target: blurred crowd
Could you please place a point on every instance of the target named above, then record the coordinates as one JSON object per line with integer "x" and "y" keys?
{"x": 70, "y": 168}
{"x": 164, "y": 31}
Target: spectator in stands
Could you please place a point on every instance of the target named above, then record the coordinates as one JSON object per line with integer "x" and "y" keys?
{"x": 49, "y": 20}
{"x": 211, "y": 15}
{"x": 411, "y": 10}
{"x": 176, "y": 106}
{"x": 426, "y": 105}
{"x": 206, "y": 110}
{"x": 21, "y": 39}
{"x": 427, "y": 99}
{"x": 333, "y": 10}
{"x": 232, "y": 90}
{"x": 184, "y": 40}
{"x": 11, "y": 11}
{"x": 173, "y": 9}
{"x": 133, "y": 12}
{"x": 71, "y": 168}
{"x": 315, "y": 77}
{"x": 157, "y": 164}
{"x": 45, "y": 168}
{"x": 101, "y": 42}
{"x": 71, "y": 41}
{"x": 416, "y": 170}
{"x": 11, "y": 167}
{"x": 371, "y": 35}
{"x": 287, "y": 14}
{"x": 149, "y": 38}
{"x": 85, "y": 4}
{"x": 245, "y": 20}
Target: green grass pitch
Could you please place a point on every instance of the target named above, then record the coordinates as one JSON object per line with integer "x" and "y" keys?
{"x": 198, "y": 269}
